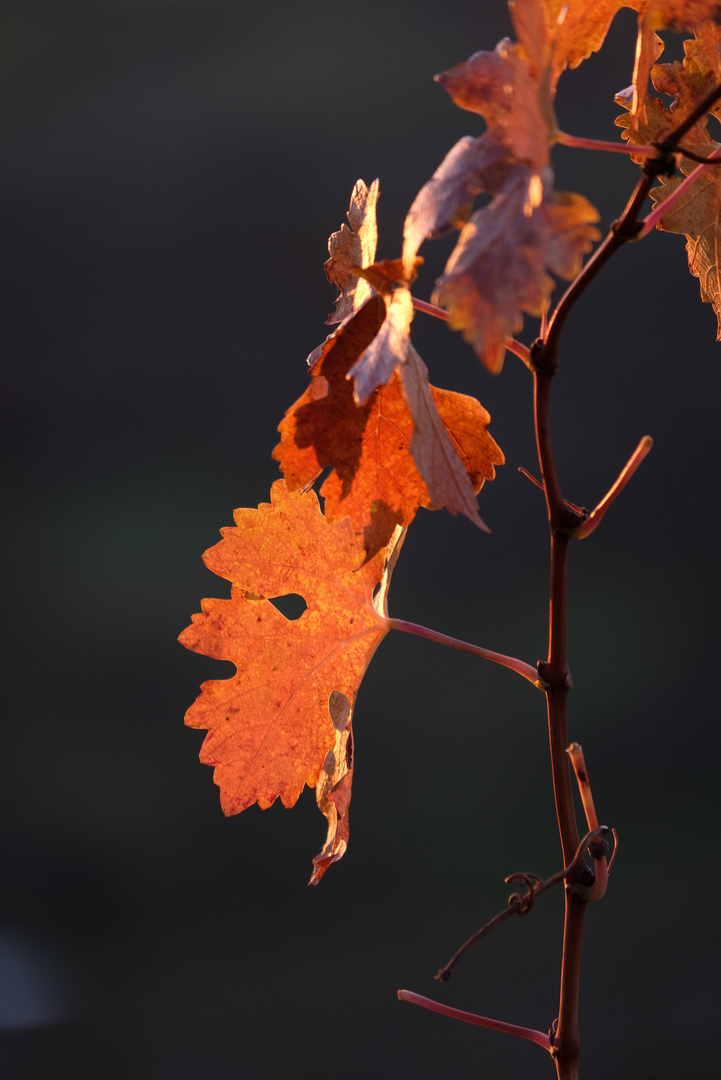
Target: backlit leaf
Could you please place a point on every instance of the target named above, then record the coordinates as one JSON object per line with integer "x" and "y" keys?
{"x": 500, "y": 268}
{"x": 697, "y": 213}
{"x": 374, "y": 478}
{"x": 500, "y": 86}
{"x": 469, "y": 168}
{"x": 273, "y": 724}
{"x": 354, "y": 246}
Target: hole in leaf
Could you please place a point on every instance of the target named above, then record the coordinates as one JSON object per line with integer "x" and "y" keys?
{"x": 292, "y": 605}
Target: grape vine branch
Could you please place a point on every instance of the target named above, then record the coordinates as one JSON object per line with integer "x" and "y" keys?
{"x": 387, "y": 443}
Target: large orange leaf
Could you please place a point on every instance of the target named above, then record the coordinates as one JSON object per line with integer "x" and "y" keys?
{"x": 405, "y": 447}
{"x": 272, "y": 726}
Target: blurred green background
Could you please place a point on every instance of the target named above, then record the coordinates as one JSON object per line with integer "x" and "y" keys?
{"x": 172, "y": 170}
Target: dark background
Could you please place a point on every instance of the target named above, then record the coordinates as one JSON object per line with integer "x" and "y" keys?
{"x": 171, "y": 173}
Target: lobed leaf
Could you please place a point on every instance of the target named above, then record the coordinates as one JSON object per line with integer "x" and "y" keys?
{"x": 697, "y": 213}
{"x": 469, "y": 168}
{"x": 500, "y": 267}
{"x": 273, "y": 724}
{"x": 653, "y": 15}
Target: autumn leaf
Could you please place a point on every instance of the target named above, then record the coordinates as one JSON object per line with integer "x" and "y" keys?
{"x": 697, "y": 213}
{"x": 576, "y": 28}
{"x": 371, "y": 448}
{"x": 354, "y": 246}
{"x": 500, "y": 267}
{"x": 470, "y": 167}
{"x": 653, "y": 15}
{"x": 273, "y": 724}
{"x": 677, "y": 14}
{"x": 389, "y": 348}
{"x": 451, "y": 448}
{"x": 333, "y": 790}
{"x": 692, "y": 80}
{"x": 357, "y": 415}
{"x": 697, "y": 216}
{"x": 501, "y": 88}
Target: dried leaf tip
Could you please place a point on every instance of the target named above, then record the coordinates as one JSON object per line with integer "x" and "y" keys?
{"x": 353, "y": 245}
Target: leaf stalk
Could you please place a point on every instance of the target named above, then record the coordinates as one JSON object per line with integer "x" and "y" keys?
{"x": 537, "y": 1037}
{"x": 519, "y": 666}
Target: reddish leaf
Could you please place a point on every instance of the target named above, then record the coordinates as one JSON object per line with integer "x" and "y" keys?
{"x": 502, "y": 88}
{"x": 470, "y": 167}
{"x": 272, "y": 725}
{"x": 499, "y": 269}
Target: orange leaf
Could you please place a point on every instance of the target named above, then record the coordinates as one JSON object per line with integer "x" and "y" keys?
{"x": 271, "y": 726}
{"x": 656, "y": 15}
{"x": 369, "y": 447}
{"x": 576, "y": 28}
{"x": 676, "y": 14}
{"x": 697, "y": 214}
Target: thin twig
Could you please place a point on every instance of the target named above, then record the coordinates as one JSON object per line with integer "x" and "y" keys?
{"x": 599, "y": 849}
{"x": 663, "y": 208}
{"x": 580, "y": 143}
{"x": 670, "y": 143}
{"x": 516, "y": 347}
{"x": 580, "y": 510}
{"x": 429, "y": 309}
{"x": 519, "y": 666}
{"x": 521, "y": 905}
{"x": 563, "y": 524}
{"x": 594, "y": 518}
